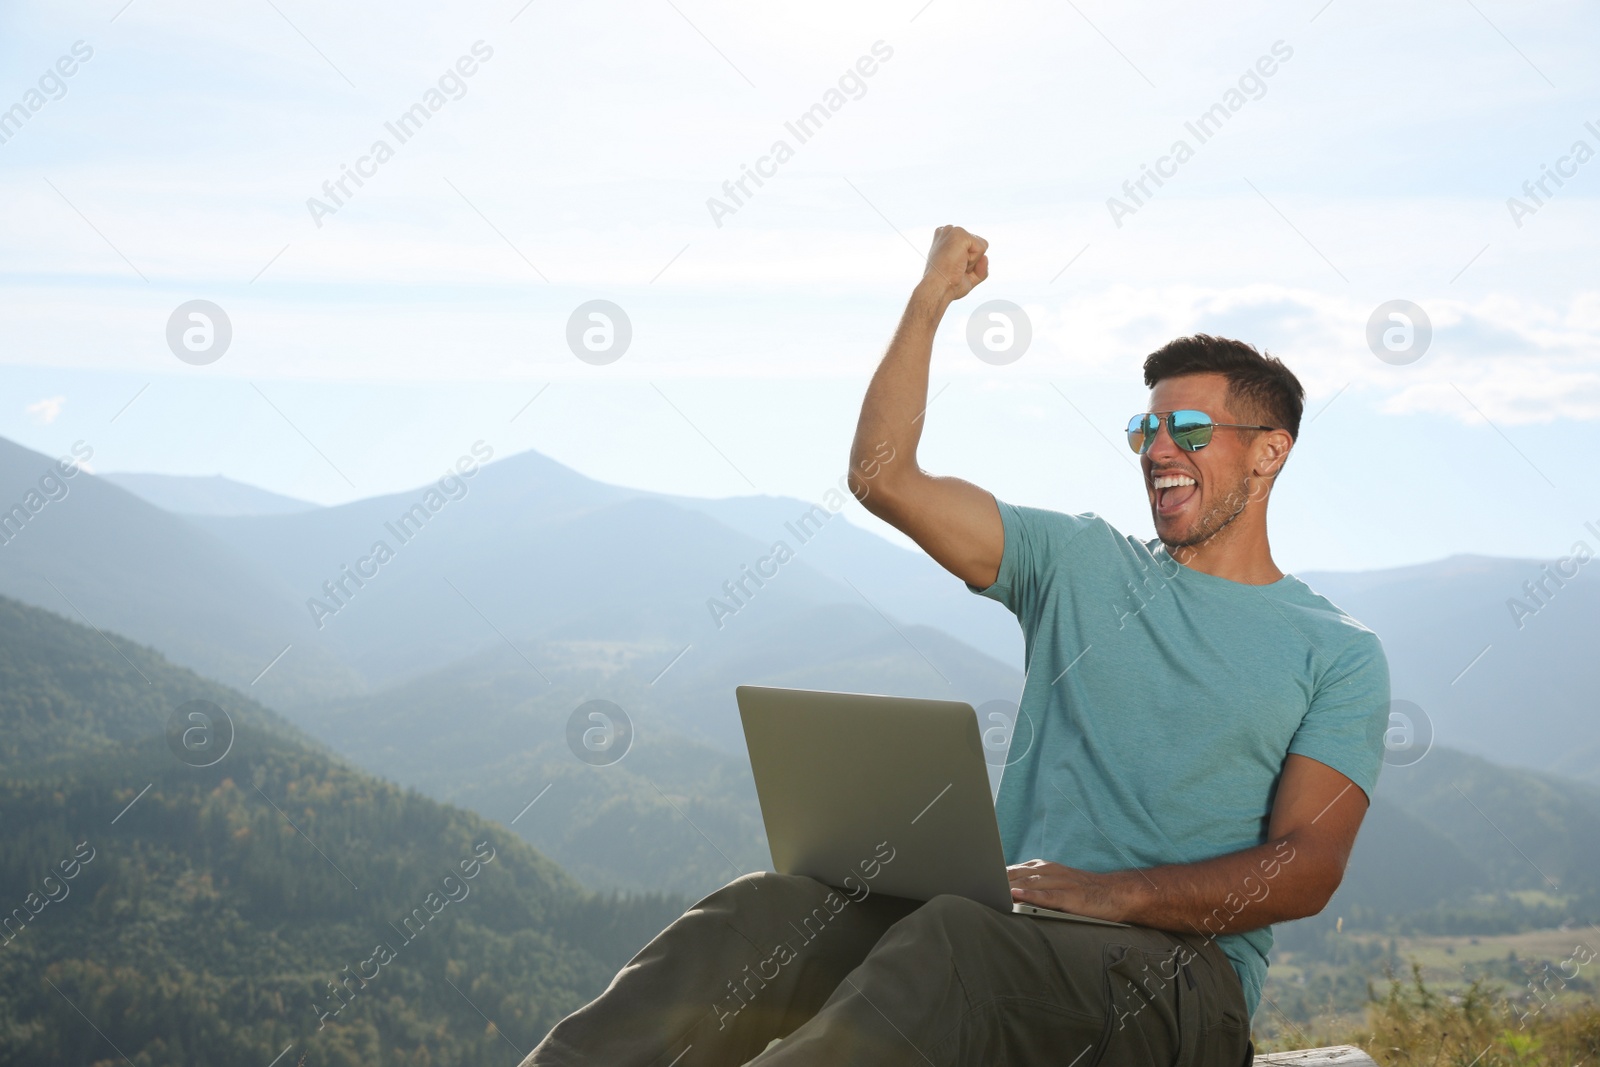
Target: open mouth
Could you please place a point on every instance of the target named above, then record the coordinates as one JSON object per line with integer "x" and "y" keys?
{"x": 1173, "y": 491}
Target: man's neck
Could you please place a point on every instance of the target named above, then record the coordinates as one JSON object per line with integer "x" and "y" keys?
{"x": 1234, "y": 553}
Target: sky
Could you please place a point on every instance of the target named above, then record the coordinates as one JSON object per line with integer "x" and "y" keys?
{"x": 1358, "y": 154}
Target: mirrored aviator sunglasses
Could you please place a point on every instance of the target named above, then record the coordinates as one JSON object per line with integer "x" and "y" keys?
{"x": 1190, "y": 430}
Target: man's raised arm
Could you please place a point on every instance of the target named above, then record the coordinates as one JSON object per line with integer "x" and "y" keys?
{"x": 954, "y": 521}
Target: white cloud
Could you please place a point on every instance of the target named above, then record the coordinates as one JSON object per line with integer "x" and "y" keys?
{"x": 45, "y": 411}
{"x": 1512, "y": 361}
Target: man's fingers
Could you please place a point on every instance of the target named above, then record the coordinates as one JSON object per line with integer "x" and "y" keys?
{"x": 959, "y": 258}
{"x": 1041, "y": 898}
{"x": 1027, "y": 874}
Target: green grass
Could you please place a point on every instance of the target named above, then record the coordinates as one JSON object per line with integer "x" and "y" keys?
{"x": 1477, "y": 1025}
{"x": 1330, "y": 982}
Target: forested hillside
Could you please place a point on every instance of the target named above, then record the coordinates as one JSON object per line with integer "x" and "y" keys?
{"x": 170, "y": 913}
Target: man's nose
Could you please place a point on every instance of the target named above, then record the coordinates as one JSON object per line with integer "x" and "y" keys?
{"x": 1163, "y": 444}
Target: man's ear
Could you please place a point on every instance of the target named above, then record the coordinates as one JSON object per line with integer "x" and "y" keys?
{"x": 1272, "y": 452}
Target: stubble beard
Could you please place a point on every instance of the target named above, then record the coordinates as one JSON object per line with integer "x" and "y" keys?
{"x": 1216, "y": 518}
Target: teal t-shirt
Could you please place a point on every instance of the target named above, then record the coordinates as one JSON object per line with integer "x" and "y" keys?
{"x": 1161, "y": 702}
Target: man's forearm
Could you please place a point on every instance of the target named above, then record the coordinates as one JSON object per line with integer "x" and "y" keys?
{"x": 958, "y": 524}
{"x": 1293, "y": 874}
{"x": 891, "y": 413}
{"x": 1274, "y": 882}
{"x": 1286, "y": 878}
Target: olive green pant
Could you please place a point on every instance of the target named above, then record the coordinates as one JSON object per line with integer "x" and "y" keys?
{"x": 866, "y": 978}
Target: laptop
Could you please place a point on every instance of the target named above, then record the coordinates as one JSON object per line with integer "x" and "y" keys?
{"x": 848, "y": 779}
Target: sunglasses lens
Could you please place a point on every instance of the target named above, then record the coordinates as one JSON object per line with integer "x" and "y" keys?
{"x": 1141, "y": 431}
{"x": 1191, "y": 430}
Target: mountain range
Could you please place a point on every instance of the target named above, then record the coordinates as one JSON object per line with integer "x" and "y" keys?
{"x": 411, "y": 679}
{"x": 517, "y": 589}
{"x": 213, "y": 495}
{"x": 524, "y": 549}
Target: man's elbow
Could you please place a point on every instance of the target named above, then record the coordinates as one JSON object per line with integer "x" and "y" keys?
{"x": 876, "y": 489}
{"x": 1317, "y": 892}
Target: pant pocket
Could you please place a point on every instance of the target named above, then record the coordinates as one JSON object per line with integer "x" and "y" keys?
{"x": 1165, "y": 1008}
{"x": 1150, "y": 1015}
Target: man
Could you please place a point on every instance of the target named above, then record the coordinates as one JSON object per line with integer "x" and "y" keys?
{"x": 1203, "y": 734}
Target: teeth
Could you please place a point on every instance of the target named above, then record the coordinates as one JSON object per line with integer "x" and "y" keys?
{"x": 1172, "y": 481}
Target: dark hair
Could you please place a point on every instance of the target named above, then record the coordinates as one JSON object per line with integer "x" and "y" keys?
{"x": 1260, "y": 385}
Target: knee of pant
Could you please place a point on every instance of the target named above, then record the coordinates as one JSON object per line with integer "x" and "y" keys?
{"x": 754, "y": 882}
{"x": 741, "y": 888}
{"x": 766, "y": 889}
{"x": 749, "y": 882}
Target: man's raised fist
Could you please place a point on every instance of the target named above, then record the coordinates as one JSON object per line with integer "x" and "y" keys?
{"x": 956, "y": 263}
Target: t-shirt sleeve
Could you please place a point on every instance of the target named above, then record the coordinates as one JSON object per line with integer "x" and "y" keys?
{"x": 1344, "y": 726}
{"x": 1037, "y": 542}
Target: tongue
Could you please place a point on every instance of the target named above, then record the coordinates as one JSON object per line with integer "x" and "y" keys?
{"x": 1177, "y": 496}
